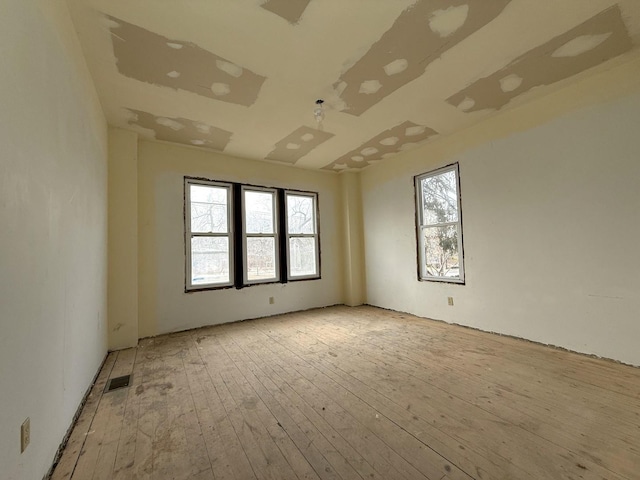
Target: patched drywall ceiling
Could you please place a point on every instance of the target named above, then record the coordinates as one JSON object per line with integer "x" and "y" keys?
{"x": 242, "y": 76}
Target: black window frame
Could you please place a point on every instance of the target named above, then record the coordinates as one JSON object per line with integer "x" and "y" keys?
{"x": 238, "y": 235}
{"x": 421, "y": 225}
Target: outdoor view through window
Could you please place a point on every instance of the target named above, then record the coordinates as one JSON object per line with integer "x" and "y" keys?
{"x": 302, "y": 235}
{"x": 209, "y": 234}
{"x": 241, "y": 235}
{"x": 439, "y": 226}
{"x": 260, "y": 232}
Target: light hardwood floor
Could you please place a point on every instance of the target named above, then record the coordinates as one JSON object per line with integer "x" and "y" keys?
{"x": 356, "y": 393}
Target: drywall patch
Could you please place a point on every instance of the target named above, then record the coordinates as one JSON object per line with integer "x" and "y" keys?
{"x": 466, "y": 104}
{"x": 291, "y": 11}
{"x": 181, "y": 130}
{"x": 419, "y": 36}
{"x": 219, "y": 89}
{"x": 580, "y": 45}
{"x": 448, "y": 21}
{"x": 384, "y": 145}
{"x": 510, "y": 82}
{"x": 370, "y": 86}
{"x": 396, "y": 67}
{"x": 597, "y": 40}
{"x": 297, "y": 144}
{"x": 147, "y": 56}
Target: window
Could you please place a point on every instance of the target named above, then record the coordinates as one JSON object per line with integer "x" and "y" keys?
{"x": 439, "y": 221}
{"x": 208, "y": 234}
{"x": 240, "y": 235}
{"x": 302, "y": 235}
{"x": 260, "y": 235}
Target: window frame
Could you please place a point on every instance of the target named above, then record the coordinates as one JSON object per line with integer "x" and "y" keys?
{"x": 315, "y": 235}
{"x": 237, "y": 245}
{"x": 275, "y": 235}
{"x": 189, "y": 234}
{"x": 421, "y": 226}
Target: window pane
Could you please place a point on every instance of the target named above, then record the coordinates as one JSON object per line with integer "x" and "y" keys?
{"x": 300, "y": 214}
{"x": 440, "y": 198}
{"x": 258, "y": 210}
{"x": 208, "y": 209}
{"x": 302, "y": 256}
{"x": 209, "y": 260}
{"x": 261, "y": 258}
{"x": 441, "y": 251}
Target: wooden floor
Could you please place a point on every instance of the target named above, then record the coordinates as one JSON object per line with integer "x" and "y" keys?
{"x": 356, "y": 393}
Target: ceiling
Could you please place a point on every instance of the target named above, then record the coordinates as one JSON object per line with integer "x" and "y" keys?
{"x": 242, "y": 76}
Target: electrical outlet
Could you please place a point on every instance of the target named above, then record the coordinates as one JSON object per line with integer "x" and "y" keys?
{"x": 450, "y": 301}
{"x": 272, "y": 300}
{"x": 25, "y": 434}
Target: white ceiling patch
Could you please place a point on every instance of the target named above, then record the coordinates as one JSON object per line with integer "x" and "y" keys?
{"x": 580, "y": 45}
{"x": 298, "y": 144}
{"x": 389, "y": 141}
{"x": 419, "y": 36}
{"x": 169, "y": 123}
{"x": 175, "y": 46}
{"x": 448, "y": 21}
{"x": 181, "y": 130}
{"x": 220, "y": 89}
{"x": 203, "y": 128}
{"x": 415, "y": 130}
{"x": 591, "y": 43}
{"x": 230, "y": 68}
{"x": 384, "y": 145}
{"x": 395, "y": 67}
{"x": 173, "y": 74}
{"x": 467, "y": 104}
{"x": 510, "y": 83}
{"x": 369, "y": 151}
{"x": 370, "y": 86}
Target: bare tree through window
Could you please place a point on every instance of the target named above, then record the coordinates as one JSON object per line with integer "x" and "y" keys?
{"x": 260, "y": 231}
{"x": 440, "y": 226}
{"x": 302, "y": 235}
{"x": 208, "y": 232}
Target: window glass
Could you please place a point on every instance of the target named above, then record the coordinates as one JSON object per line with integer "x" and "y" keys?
{"x": 258, "y": 208}
{"x": 302, "y": 236}
{"x": 208, "y": 236}
{"x": 439, "y": 226}
{"x": 261, "y": 258}
{"x": 300, "y": 214}
{"x": 210, "y": 260}
{"x": 209, "y": 209}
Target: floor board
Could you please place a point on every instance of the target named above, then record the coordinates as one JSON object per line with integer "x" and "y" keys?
{"x": 356, "y": 393}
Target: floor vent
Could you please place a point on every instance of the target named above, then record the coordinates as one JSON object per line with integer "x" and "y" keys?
{"x": 118, "y": 382}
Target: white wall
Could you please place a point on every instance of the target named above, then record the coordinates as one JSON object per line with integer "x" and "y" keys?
{"x": 53, "y": 235}
{"x": 163, "y": 304}
{"x": 123, "y": 239}
{"x": 551, "y": 220}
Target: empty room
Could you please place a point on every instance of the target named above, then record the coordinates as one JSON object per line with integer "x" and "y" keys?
{"x": 320, "y": 239}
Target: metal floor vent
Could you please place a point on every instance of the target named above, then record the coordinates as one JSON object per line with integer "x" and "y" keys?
{"x": 118, "y": 382}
